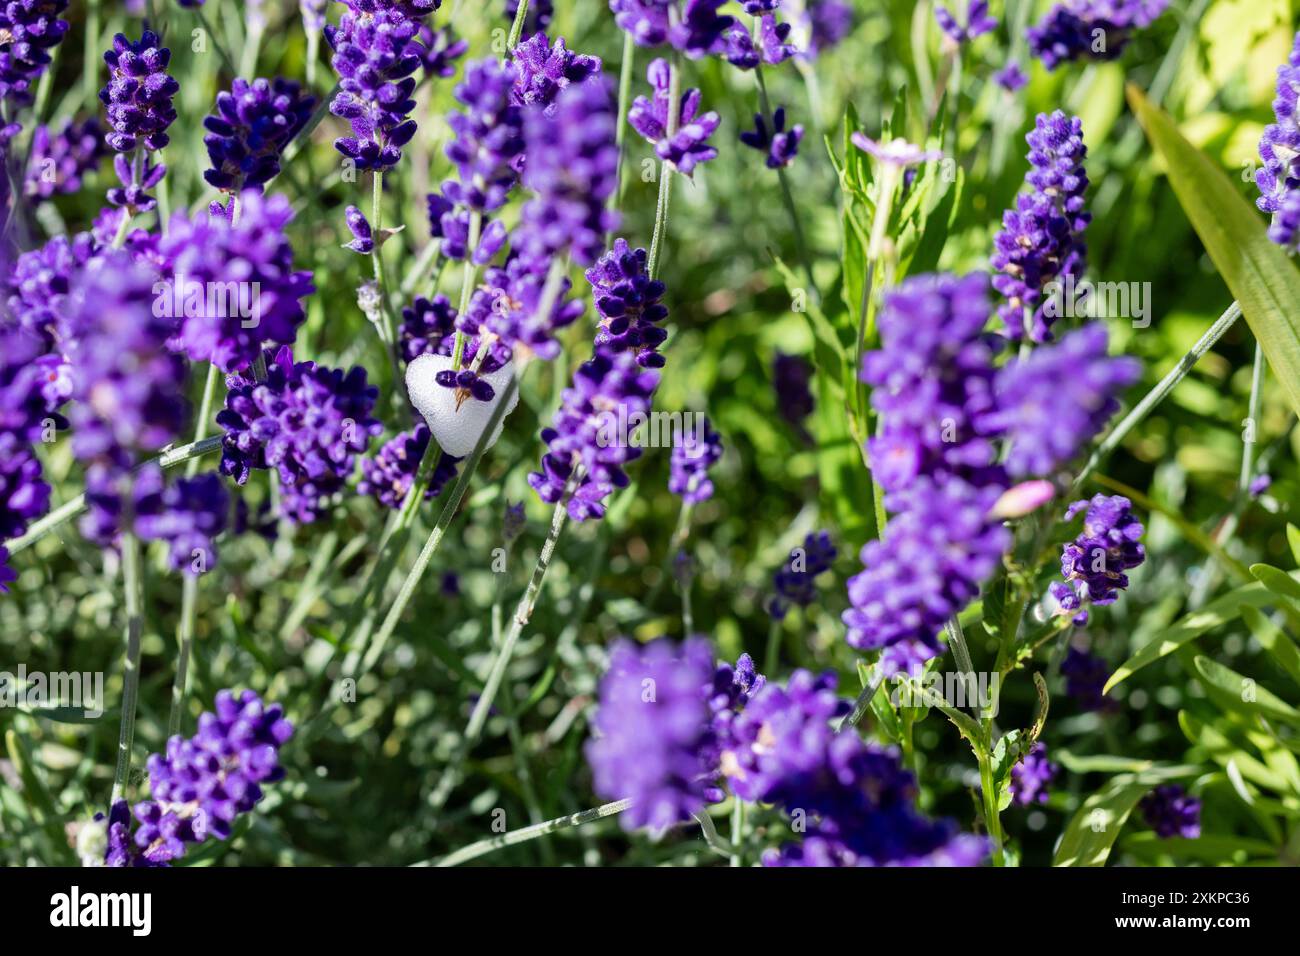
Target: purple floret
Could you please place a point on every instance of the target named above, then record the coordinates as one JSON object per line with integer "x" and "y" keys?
{"x": 1032, "y": 776}
{"x": 693, "y": 455}
{"x": 488, "y": 144}
{"x": 1172, "y": 812}
{"x": 1279, "y": 148}
{"x": 62, "y": 159}
{"x": 31, "y": 29}
{"x": 689, "y": 146}
{"x": 780, "y": 145}
{"x": 1093, "y": 564}
{"x": 543, "y": 71}
{"x": 1089, "y": 29}
{"x": 629, "y": 304}
{"x": 249, "y": 129}
{"x": 387, "y": 477}
{"x": 796, "y": 581}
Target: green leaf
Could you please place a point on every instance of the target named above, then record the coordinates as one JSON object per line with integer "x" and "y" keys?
{"x": 1256, "y": 270}
{"x": 1229, "y": 689}
{"x": 1277, "y": 581}
{"x": 1204, "y": 849}
{"x": 1093, "y": 829}
{"x": 1280, "y": 647}
{"x": 1224, "y": 752}
{"x": 1215, "y": 614}
{"x": 1293, "y": 538}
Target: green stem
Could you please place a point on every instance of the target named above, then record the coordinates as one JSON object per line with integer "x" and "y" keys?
{"x": 517, "y": 27}
{"x": 624, "y": 97}
{"x": 131, "y": 584}
{"x": 666, "y": 169}
{"x": 801, "y": 245}
{"x": 737, "y": 831}
{"x": 77, "y": 505}
{"x": 992, "y": 819}
{"x": 185, "y": 641}
{"x": 523, "y": 614}
{"x": 205, "y": 411}
{"x": 1158, "y": 394}
{"x": 483, "y": 847}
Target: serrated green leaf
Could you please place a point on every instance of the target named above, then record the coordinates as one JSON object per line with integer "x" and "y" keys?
{"x": 1257, "y": 271}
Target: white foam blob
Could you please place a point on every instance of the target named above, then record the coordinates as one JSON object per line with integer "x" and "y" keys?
{"x": 456, "y": 431}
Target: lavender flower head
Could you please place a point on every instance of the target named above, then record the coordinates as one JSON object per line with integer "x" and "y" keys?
{"x": 1011, "y": 77}
{"x": 251, "y": 126}
{"x": 306, "y": 421}
{"x": 586, "y": 453}
{"x": 692, "y": 26}
{"x": 1279, "y": 148}
{"x": 30, "y": 28}
{"x": 139, "y": 100}
{"x": 694, "y": 453}
{"x": 629, "y": 304}
{"x": 796, "y": 581}
{"x": 188, "y": 514}
{"x": 428, "y": 327}
{"x": 1089, "y": 29}
{"x": 572, "y": 170}
{"x": 489, "y": 142}
{"x": 653, "y": 738}
{"x": 1053, "y": 403}
{"x": 1172, "y": 812}
{"x": 1085, "y": 677}
{"x": 824, "y": 23}
{"x": 202, "y": 783}
{"x": 39, "y": 288}
{"x": 1032, "y": 776}
{"x": 62, "y": 159}
{"x": 543, "y": 71}
{"x": 254, "y": 257}
{"x": 387, "y": 477}
{"x": 689, "y": 146}
{"x": 1093, "y": 564}
{"x": 780, "y": 144}
{"x": 375, "y": 57}
{"x": 1041, "y": 241}
{"x": 791, "y": 376}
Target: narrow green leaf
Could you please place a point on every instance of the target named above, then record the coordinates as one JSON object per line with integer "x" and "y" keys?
{"x": 1224, "y": 752}
{"x": 1215, "y": 614}
{"x": 1293, "y": 538}
{"x": 1277, "y": 581}
{"x": 1092, "y": 831}
{"x": 1280, "y": 647}
{"x": 1241, "y": 694}
{"x": 1259, "y": 274}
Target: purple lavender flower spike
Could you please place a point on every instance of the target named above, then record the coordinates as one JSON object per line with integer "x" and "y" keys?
{"x": 199, "y": 785}
{"x": 689, "y": 146}
{"x": 796, "y": 581}
{"x": 375, "y": 57}
{"x": 692, "y": 26}
{"x": 1041, "y": 241}
{"x": 24, "y": 495}
{"x": 1172, "y": 812}
{"x": 543, "y": 71}
{"x": 208, "y": 252}
{"x": 40, "y": 285}
{"x": 387, "y": 477}
{"x": 1050, "y": 405}
{"x": 693, "y": 455}
{"x": 428, "y": 327}
{"x": 773, "y": 41}
{"x": 652, "y": 731}
{"x": 1260, "y": 484}
{"x": 251, "y": 126}
{"x": 1011, "y": 77}
{"x": 1032, "y": 776}
{"x": 139, "y": 100}
{"x": 306, "y": 421}
{"x": 825, "y": 23}
{"x": 489, "y": 141}
{"x": 508, "y": 306}
{"x": 978, "y": 22}
{"x": 130, "y": 391}
{"x": 31, "y": 29}
{"x": 791, "y": 377}
{"x": 583, "y": 440}
{"x": 1093, "y": 564}
{"x": 629, "y": 304}
{"x": 188, "y": 514}
{"x": 439, "y": 49}
{"x": 572, "y": 170}
{"x": 1279, "y": 148}
{"x": 62, "y": 159}
{"x": 1089, "y": 29}
{"x": 7, "y": 574}
{"x": 1085, "y": 677}
{"x": 780, "y": 145}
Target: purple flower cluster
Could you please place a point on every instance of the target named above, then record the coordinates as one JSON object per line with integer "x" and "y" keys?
{"x": 439, "y": 49}
{"x": 1172, "y": 812}
{"x": 1279, "y": 148}
{"x": 796, "y": 581}
{"x": 791, "y": 376}
{"x": 374, "y": 55}
{"x": 629, "y": 304}
{"x": 202, "y": 783}
{"x": 306, "y": 421}
{"x": 253, "y": 262}
{"x": 689, "y": 146}
{"x": 489, "y": 137}
{"x": 572, "y": 170}
{"x": 62, "y": 159}
{"x": 543, "y": 71}
{"x": 251, "y": 126}
{"x": 1032, "y": 776}
{"x": 428, "y": 327}
{"x": 1093, "y": 564}
{"x": 978, "y": 22}
{"x": 1044, "y": 421}
{"x": 780, "y": 144}
{"x": 1041, "y": 241}
{"x": 653, "y": 739}
{"x": 39, "y": 289}
{"x": 584, "y": 447}
{"x": 692, "y": 26}
{"x": 694, "y": 453}
{"x": 1011, "y": 77}
{"x": 31, "y": 28}
{"x": 139, "y": 100}
{"x": 858, "y": 800}
{"x": 387, "y": 477}
{"x": 826, "y": 23}
{"x": 1089, "y": 29}
{"x": 1085, "y": 677}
